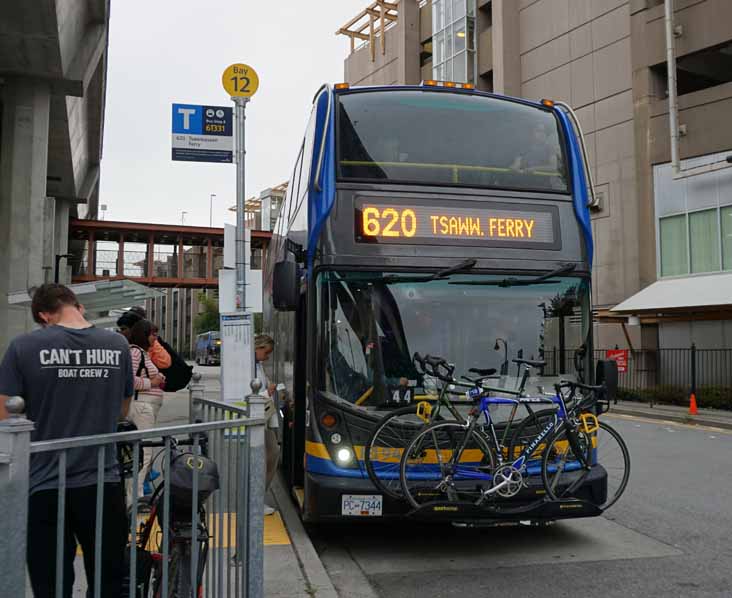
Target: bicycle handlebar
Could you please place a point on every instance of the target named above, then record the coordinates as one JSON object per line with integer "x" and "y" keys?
{"x": 173, "y": 443}
{"x": 434, "y": 366}
{"x": 575, "y": 385}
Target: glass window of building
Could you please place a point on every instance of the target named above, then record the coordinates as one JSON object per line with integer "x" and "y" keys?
{"x": 453, "y": 25}
{"x": 674, "y": 260}
{"x": 704, "y": 241}
{"x": 694, "y": 218}
{"x": 726, "y": 218}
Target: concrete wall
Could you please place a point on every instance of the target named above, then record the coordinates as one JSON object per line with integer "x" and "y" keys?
{"x": 384, "y": 70}
{"x": 580, "y": 52}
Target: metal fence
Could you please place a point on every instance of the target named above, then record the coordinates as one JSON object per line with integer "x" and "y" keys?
{"x": 681, "y": 368}
{"x": 211, "y": 548}
{"x": 651, "y": 368}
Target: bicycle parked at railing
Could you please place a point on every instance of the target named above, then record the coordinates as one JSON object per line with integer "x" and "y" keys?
{"x": 393, "y": 433}
{"x": 187, "y": 544}
{"x": 464, "y": 461}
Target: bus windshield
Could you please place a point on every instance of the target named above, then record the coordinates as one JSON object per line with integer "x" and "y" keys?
{"x": 415, "y": 136}
{"x": 373, "y": 322}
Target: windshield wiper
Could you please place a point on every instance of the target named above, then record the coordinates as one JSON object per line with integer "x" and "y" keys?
{"x": 440, "y": 274}
{"x": 517, "y": 282}
{"x": 461, "y": 267}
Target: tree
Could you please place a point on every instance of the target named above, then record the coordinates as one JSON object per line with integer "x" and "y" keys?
{"x": 208, "y": 319}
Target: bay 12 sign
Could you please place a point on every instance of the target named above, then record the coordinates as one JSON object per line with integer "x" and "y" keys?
{"x": 202, "y": 133}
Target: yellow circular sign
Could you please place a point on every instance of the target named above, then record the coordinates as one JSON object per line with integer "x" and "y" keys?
{"x": 240, "y": 80}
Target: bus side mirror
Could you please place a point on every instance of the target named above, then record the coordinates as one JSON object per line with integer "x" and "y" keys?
{"x": 607, "y": 372}
{"x": 285, "y": 286}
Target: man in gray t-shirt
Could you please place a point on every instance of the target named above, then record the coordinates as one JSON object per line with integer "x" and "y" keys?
{"x": 76, "y": 381}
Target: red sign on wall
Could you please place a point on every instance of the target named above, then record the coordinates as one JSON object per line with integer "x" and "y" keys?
{"x": 620, "y": 356}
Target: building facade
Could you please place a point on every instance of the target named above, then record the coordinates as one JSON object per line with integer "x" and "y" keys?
{"x": 175, "y": 315}
{"x": 607, "y": 59}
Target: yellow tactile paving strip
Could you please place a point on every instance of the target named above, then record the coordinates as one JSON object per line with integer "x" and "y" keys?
{"x": 275, "y": 533}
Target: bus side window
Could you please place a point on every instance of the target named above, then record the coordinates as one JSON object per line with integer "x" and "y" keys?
{"x": 292, "y": 190}
{"x": 308, "y": 157}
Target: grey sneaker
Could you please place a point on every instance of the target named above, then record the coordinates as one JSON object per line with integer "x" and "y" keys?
{"x": 269, "y": 510}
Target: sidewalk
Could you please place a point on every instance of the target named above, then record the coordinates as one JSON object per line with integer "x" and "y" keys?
{"x": 283, "y": 577}
{"x": 707, "y": 417}
{"x": 292, "y": 569}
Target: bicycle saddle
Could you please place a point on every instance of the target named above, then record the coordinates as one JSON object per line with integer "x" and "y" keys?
{"x": 483, "y": 372}
{"x": 531, "y": 362}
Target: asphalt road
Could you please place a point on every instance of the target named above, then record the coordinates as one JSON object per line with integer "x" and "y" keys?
{"x": 668, "y": 536}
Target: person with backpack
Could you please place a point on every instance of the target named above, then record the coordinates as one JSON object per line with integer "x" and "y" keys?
{"x": 160, "y": 357}
{"x": 176, "y": 371}
{"x": 149, "y": 384}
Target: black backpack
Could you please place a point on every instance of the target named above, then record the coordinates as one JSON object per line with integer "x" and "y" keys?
{"x": 178, "y": 375}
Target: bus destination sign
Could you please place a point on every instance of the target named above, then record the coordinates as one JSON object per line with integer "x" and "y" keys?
{"x": 487, "y": 224}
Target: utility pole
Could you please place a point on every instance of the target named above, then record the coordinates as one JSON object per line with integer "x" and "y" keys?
{"x": 210, "y": 210}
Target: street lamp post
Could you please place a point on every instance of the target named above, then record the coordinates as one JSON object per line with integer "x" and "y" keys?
{"x": 183, "y": 217}
{"x": 210, "y": 210}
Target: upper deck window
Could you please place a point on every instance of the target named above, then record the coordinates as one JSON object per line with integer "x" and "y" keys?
{"x": 440, "y": 138}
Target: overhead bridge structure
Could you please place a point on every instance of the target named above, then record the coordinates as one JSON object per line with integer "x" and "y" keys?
{"x": 156, "y": 255}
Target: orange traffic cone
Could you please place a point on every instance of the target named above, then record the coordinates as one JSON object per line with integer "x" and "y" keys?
{"x": 692, "y": 405}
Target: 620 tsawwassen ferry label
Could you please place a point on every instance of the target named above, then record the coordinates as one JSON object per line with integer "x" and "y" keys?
{"x": 478, "y": 223}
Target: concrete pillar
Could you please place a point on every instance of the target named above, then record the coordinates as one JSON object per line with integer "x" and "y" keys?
{"x": 61, "y": 238}
{"x": 409, "y": 43}
{"x": 506, "y": 48}
{"x": 49, "y": 239}
{"x": 23, "y": 170}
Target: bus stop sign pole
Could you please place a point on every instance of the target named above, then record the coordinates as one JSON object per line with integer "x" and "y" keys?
{"x": 240, "y": 104}
{"x": 241, "y": 82}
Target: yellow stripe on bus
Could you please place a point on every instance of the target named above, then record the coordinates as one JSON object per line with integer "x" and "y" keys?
{"x": 394, "y": 455}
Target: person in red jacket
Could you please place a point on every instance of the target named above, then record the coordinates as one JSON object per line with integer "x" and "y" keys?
{"x": 160, "y": 357}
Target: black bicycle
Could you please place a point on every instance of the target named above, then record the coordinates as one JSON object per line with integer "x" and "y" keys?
{"x": 149, "y": 537}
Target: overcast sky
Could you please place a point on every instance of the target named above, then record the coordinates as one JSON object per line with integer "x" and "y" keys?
{"x": 168, "y": 51}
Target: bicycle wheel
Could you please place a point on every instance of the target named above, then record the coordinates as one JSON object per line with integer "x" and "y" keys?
{"x": 179, "y": 581}
{"x": 528, "y": 429}
{"x": 562, "y": 473}
{"x": 385, "y": 446}
{"x": 431, "y": 470}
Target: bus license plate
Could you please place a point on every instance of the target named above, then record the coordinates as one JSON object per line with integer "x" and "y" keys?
{"x": 361, "y": 505}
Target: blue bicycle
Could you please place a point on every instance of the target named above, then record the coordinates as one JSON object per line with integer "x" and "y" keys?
{"x": 465, "y": 461}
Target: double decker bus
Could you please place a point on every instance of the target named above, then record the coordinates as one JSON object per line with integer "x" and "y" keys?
{"x": 435, "y": 219}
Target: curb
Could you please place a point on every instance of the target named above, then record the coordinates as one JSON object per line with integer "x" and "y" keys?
{"x": 312, "y": 567}
{"x": 691, "y": 420}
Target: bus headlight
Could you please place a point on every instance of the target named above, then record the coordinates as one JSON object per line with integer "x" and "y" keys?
{"x": 344, "y": 456}
{"x": 336, "y": 438}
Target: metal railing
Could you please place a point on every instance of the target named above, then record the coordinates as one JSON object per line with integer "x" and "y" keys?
{"x": 648, "y": 369}
{"x": 677, "y": 368}
{"x": 222, "y": 535}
